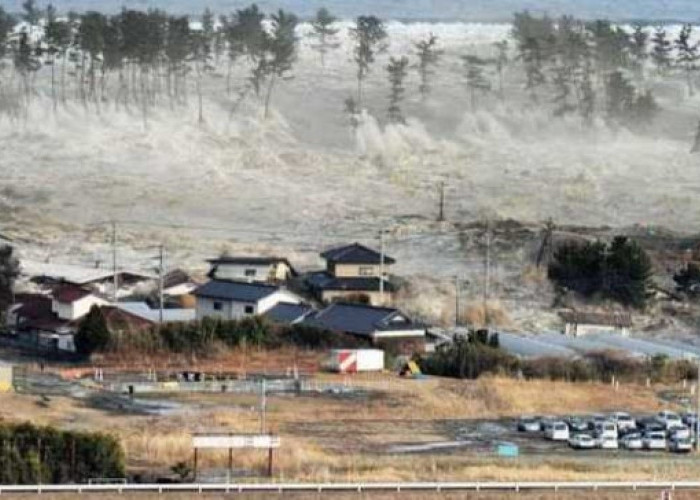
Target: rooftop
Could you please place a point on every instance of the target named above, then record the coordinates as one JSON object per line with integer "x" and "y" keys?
{"x": 145, "y": 312}
{"x": 287, "y": 313}
{"x": 236, "y": 291}
{"x": 361, "y": 319}
{"x": 243, "y": 260}
{"x": 355, "y": 254}
{"x": 77, "y": 275}
{"x": 68, "y": 294}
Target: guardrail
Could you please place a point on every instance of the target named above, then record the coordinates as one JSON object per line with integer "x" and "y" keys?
{"x": 437, "y": 487}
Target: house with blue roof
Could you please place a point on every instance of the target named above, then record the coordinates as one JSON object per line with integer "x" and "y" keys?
{"x": 353, "y": 273}
{"x": 233, "y": 300}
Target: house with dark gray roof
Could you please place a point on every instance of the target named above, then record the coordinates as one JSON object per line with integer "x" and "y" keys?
{"x": 273, "y": 270}
{"x": 353, "y": 272}
{"x": 373, "y": 323}
{"x": 288, "y": 313}
{"x": 230, "y": 300}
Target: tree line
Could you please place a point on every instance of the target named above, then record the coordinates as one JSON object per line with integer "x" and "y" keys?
{"x": 139, "y": 59}
{"x": 203, "y": 337}
{"x": 45, "y": 455}
{"x": 479, "y": 355}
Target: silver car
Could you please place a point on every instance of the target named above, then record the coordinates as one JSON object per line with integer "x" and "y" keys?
{"x": 632, "y": 442}
{"x": 654, "y": 441}
{"x": 680, "y": 445}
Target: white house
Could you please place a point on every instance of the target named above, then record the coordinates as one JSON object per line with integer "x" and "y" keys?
{"x": 251, "y": 269}
{"x": 232, "y": 300}
{"x": 71, "y": 303}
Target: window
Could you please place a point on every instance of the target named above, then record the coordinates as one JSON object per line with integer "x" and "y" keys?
{"x": 249, "y": 309}
{"x": 250, "y": 273}
{"x": 218, "y": 306}
{"x": 366, "y": 271}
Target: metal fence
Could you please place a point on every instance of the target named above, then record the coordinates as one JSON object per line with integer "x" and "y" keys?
{"x": 506, "y": 487}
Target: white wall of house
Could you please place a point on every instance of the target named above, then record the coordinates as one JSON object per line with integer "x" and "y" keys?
{"x": 398, "y": 334}
{"x": 230, "y": 310}
{"x": 76, "y": 310}
{"x": 259, "y": 273}
{"x": 359, "y": 270}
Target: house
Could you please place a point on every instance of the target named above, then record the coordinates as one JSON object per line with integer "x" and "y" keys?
{"x": 578, "y": 323}
{"x": 71, "y": 303}
{"x": 32, "y": 319}
{"x": 177, "y": 283}
{"x": 252, "y": 269}
{"x": 143, "y": 311}
{"x": 288, "y": 313}
{"x": 379, "y": 325}
{"x": 232, "y": 300}
{"x": 353, "y": 272}
{"x": 98, "y": 279}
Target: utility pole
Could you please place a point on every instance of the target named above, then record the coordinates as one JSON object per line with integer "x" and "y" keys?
{"x": 457, "y": 300}
{"x": 115, "y": 278}
{"x": 161, "y": 277}
{"x": 697, "y": 411}
{"x": 381, "y": 266}
{"x": 441, "y": 210}
{"x": 487, "y": 271}
{"x": 263, "y": 405}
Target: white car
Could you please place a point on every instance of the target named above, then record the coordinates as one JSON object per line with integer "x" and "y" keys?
{"x": 528, "y": 424}
{"x": 632, "y": 441}
{"x": 607, "y": 443}
{"x": 690, "y": 419}
{"x": 605, "y": 429}
{"x": 679, "y": 432}
{"x": 680, "y": 445}
{"x": 582, "y": 442}
{"x": 669, "y": 419}
{"x": 623, "y": 421}
{"x": 654, "y": 441}
{"x": 557, "y": 431}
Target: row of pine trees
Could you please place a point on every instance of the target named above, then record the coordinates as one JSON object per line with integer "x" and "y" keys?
{"x": 141, "y": 59}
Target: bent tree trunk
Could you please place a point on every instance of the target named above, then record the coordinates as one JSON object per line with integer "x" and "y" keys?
{"x": 268, "y": 97}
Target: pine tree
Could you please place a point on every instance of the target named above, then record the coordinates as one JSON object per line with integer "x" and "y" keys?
{"x": 476, "y": 80}
{"x": 6, "y": 24}
{"x": 561, "y": 80}
{"x": 9, "y": 271}
{"x": 93, "y": 334}
{"x": 428, "y": 58}
{"x": 91, "y": 32}
{"x": 687, "y": 55}
{"x": 58, "y": 37}
{"x": 534, "y": 59}
{"x": 281, "y": 51}
{"x": 587, "y": 102}
{"x": 247, "y": 37}
{"x": 696, "y": 143}
{"x": 31, "y": 13}
{"x": 177, "y": 50}
{"x": 661, "y": 51}
{"x": 639, "y": 50}
{"x": 369, "y": 34}
{"x": 201, "y": 54}
{"x": 325, "y": 33}
{"x": 501, "y": 61}
{"x": 397, "y": 70}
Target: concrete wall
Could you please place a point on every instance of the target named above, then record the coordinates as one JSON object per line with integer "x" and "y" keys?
{"x": 581, "y": 330}
{"x": 229, "y": 310}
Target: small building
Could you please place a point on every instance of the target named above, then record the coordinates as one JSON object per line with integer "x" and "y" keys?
{"x": 145, "y": 312}
{"x": 232, "y": 300}
{"x": 578, "y": 323}
{"x": 273, "y": 270}
{"x": 32, "y": 319}
{"x": 70, "y": 302}
{"x": 353, "y": 273}
{"x": 380, "y": 325}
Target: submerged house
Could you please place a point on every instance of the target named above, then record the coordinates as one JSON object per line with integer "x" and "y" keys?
{"x": 273, "y": 270}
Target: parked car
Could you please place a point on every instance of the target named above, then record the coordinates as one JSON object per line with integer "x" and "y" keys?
{"x": 650, "y": 425}
{"x": 605, "y": 429}
{"x": 607, "y": 443}
{"x": 654, "y": 441}
{"x": 689, "y": 418}
{"x": 596, "y": 419}
{"x": 668, "y": 419}
{"x": 557, "y": 431}
{"x": 623, "y": 421}
{"x": 577, "y": 424}
{"x": 545, "y": 421}
{"x": 680, "y": 445}
{"x": 679, "y": 432}
{"x": 632, "y": 441}
{"x": 528, "y": 424}
{"x": 582, "y": 442}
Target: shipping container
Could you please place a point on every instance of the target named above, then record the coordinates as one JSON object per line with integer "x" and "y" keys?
{"x": 355, "y": 360}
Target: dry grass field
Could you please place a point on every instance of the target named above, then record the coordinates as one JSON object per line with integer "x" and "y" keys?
{"x": 349, "y": 437}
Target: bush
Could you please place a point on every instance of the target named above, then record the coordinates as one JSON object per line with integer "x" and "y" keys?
{"x": 35, "y": 455}
{"x": 93, "y": 334}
